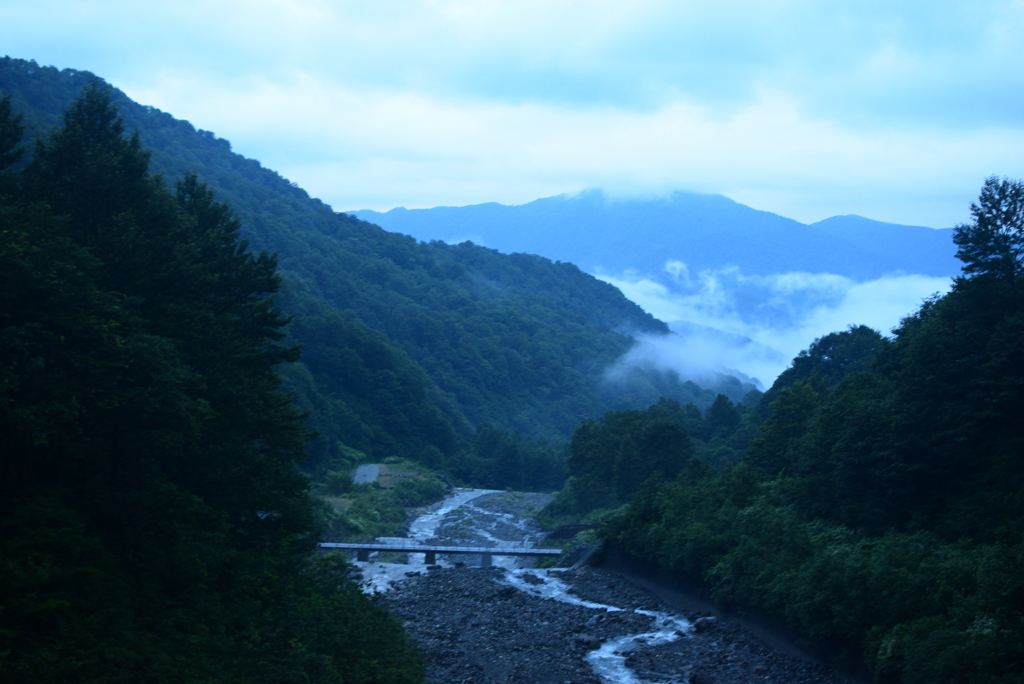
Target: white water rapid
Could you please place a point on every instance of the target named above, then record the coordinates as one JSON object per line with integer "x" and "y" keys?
{"x": 608, "y": 661}
{"x": 465, "y": 518}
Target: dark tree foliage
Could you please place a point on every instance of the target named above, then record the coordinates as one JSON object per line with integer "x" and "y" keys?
{"x": 993, "y": 245}
{"x": 828, "y": 360}
{"x": 11, "y": 131}
{"x": 500, "y": 459}
{"x": 434, "y": 339}
{"x": 88, "y": 171}
{"x": 722, "y": 417}
{"x": 610, "y": 459}
{"x": 880, "y": 512}
{"x": 153, "y": 522}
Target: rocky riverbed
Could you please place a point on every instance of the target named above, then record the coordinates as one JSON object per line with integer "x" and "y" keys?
{"x": 511, "y": 623}
{"x": 475, "y": 626}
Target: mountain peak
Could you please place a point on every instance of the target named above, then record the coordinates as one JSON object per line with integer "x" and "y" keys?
{"x": 604, "y": 233}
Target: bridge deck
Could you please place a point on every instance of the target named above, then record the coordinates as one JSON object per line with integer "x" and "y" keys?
{"x": 433, "y": 548}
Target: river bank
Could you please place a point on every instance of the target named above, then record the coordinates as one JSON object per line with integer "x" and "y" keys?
{"x": 513, "y": 623}
{"x": 693, "y": 597}
{"x": 483, "y": 625}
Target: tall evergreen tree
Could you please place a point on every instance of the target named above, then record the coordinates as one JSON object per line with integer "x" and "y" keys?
{"x": 881, "y": 509}
{"x": 89, "y": 171}
{"x": 993, "y": 244}
{"x": 153, "y": 523}
{"x": 11, "y": 130}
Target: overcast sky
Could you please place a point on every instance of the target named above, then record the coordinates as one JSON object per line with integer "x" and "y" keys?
{"x": 892, "y": 110}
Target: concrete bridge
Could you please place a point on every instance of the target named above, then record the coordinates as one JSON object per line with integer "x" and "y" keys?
{"x": 430, "y": 551}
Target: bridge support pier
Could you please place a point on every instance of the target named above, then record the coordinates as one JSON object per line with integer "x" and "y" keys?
{"x": 486, "y": 553}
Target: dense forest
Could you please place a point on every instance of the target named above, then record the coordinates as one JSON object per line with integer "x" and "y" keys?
{"x": 154, "y": 525}
{"x": 408, "y": 347}
{"x": 872, "y": 501}
{"x": 160, "y": 427}
{"x": 156, "y": 521}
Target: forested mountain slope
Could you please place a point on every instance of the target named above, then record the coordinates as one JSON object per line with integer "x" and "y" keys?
{"x": 879, "y": 509}
{"x": 154, "y": 526}
{"x": 407, "y": 346}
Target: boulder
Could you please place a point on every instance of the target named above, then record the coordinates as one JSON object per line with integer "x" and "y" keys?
{"x": 703, "y": 624}
{"x": 589, "y": 642}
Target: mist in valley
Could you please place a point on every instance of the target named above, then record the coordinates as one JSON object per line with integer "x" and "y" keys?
{"x": 726, "y": 322}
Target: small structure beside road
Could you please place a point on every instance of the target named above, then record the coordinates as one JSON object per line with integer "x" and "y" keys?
{"x": 366, "y": 474}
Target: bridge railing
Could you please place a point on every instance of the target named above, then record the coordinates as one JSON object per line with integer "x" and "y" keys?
{"x": 430, "y": 551}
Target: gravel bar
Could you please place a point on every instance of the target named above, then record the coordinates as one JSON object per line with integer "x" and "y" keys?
{"x": 475, "y": 629}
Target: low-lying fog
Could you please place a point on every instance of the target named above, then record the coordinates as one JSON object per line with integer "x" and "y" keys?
{"x": 726, "y": 321}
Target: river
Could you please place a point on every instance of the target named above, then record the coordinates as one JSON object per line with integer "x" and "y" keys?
{"x": 516, "y": 623}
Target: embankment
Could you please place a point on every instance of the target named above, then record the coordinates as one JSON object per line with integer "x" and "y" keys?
{"x": 690, "y": 596}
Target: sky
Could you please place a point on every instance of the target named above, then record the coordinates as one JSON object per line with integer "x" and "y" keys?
{"x": 893, "y": 110}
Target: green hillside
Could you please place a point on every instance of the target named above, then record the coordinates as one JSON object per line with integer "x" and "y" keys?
{"x": 407, "y": 346}
{"x": 154, "y": 525}
{"x": 879, "y": 510}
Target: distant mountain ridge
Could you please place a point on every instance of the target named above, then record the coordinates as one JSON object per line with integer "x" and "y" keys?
{"x": 603, "y": 234}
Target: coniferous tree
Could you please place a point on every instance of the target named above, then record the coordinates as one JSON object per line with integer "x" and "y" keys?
{"x": 881, "y": 509}
{"x": 89, "y": 171}
{"x": 993, "y": 245}
{"x": 11, "y": 131}
{"x": 722, "y": 417}
{"x": 153, "y": 522}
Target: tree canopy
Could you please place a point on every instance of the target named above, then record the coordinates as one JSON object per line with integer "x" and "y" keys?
{"x": 154, "y": 525}
{"x": 993, "y": 244}
{"x": 880, "y": 510}
{"x": 409, "y": 347}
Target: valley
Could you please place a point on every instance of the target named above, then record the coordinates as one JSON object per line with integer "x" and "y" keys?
{"x": 516, "y": 623}
{"x": 196, "y": 356}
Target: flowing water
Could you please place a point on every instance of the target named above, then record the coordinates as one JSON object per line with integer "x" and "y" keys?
{"x": 479, "y": 517}
{"x": 608, "y": 661}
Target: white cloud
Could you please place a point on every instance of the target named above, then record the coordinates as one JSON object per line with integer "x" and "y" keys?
{"x": 807, "y": 108}
{"x": 364, "y": 149}
{"x": 789, "y": 311}
{"x": 896, "y": 111}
